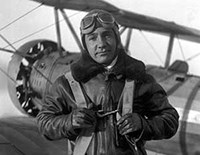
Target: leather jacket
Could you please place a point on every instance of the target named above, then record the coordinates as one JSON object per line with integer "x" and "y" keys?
{"x": 102, "y": 90}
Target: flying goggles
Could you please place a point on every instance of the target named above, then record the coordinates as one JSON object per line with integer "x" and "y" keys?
{"x": 90, "y": 22}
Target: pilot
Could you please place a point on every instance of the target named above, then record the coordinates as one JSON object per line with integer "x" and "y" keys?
{"x": 107, "y": 104}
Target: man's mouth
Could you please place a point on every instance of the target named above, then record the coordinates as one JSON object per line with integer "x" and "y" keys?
{"x": 103, "y": 52}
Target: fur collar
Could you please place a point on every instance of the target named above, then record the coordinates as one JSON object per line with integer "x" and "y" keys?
{"x": 86, "y": 68}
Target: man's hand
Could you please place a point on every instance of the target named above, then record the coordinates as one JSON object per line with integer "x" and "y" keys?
{"x": 129, "y": 123}
{"x": 83, "y": 118}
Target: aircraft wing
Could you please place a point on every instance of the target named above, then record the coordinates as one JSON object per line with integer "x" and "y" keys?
{"x": 20, "y": 136}
{"x": 129, "y": 19}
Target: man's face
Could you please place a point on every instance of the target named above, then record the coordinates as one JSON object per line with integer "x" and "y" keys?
{"x": 101, "y": 45}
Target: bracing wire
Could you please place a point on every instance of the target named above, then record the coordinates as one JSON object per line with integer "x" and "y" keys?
{"x": 20, "y": 54}
{"x": 4, "y": 39}
{"x": 40, "y": 30}
{"x": 11, "y": 44}
{"x": 12, "y": 22}
{"x": 154, "y": 50}
{"x": 31, "y": 34}
{"x": 192, "y": 57}
{"x": 7, "y": 75}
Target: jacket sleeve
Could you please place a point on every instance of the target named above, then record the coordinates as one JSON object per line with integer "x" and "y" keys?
{"x": 54, "y": 120}
{"x": 159, "y": 117}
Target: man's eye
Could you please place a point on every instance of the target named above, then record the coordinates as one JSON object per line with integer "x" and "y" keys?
{"x": 92, "y": 37}
{"x": 108, "y": 36}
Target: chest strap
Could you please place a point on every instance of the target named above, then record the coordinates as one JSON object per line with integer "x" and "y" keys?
{"x": 83, "y": 140}
{"x": 77, "y": 92}
{"x": 124, "y": 106}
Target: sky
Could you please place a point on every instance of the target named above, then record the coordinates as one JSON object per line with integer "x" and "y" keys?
{"x": 184, "y": 12}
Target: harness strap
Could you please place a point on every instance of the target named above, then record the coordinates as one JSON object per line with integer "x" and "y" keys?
{"x": 128, "y": 96}
{"x": 124, "y": 106}
{"x": 77, "y": 91}
{"x": 83, "y": 140}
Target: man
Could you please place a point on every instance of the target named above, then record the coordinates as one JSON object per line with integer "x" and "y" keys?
{"x": 123, "y": 106}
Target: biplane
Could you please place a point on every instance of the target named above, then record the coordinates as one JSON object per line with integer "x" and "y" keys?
{"x": 36, "y": 64}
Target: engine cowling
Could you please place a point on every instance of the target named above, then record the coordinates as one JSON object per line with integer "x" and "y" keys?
{"x": 33, "y": 76}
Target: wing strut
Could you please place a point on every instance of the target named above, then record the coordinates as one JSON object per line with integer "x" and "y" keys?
{"x": 121, "y": 31}
{"x": 58, "y": 31}
{"x": 128, "y": 39}
{"x": 169, "y": 50}
{"x": 72, "y": 29}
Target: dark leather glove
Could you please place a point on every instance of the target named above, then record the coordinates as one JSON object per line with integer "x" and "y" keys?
{"x": 130, "y": 123}
{"x": 83, "y": 118}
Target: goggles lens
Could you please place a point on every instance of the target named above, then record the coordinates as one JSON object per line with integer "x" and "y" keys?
{"x": 87, "y": 22}
{"x": 103, "y": 18}
{"x": 106, "y": 18}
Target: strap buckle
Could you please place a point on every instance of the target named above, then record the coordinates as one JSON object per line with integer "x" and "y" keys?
{"x": 101, "y": 113}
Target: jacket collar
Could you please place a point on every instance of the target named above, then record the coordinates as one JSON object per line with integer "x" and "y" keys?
{"x": 86, "y": 68}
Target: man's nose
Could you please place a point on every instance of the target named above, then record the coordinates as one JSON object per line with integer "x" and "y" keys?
{"x": 101, "y": 42}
